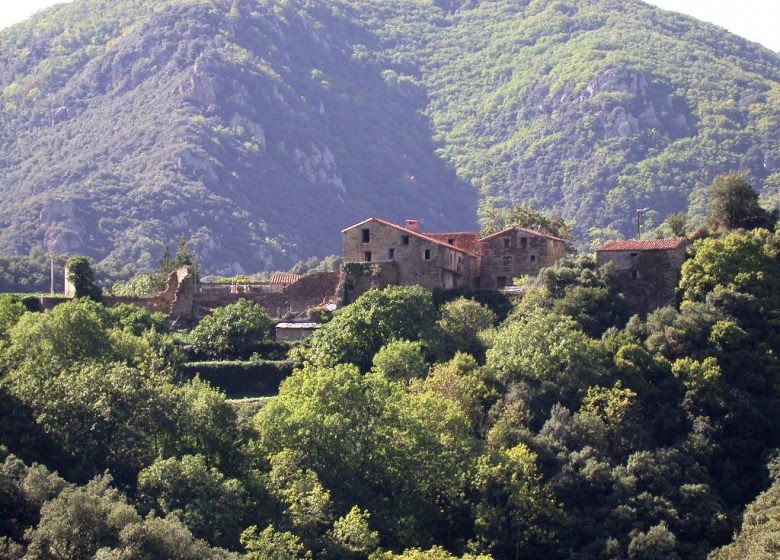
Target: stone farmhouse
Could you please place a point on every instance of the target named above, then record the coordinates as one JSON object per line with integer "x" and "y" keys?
{"x": 378, "y": 253}
{"x": 405, "y": 255}
{"x": 647, "y": 271}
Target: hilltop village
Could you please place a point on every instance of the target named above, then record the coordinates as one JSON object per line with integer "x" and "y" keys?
{"x": 378, "y": 253}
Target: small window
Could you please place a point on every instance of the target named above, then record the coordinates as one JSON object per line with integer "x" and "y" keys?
{"x": 533, "y": 258}
{"x": 405, "y": 239}
{"x": 506, "y": 243}
{"x": 391, "y": 253}
{"x": 507, "y": 261}
{"x": 451, "y": 241}
{"x": 367, "y": 256}
{"x": 635, "y": 274}
{"x": 501, "y": 281}
{"x": 427, "y": 255}
{"x": 366, "y": 235}
{"x": 634, "y": 254}
{"x": 523, "y": 242}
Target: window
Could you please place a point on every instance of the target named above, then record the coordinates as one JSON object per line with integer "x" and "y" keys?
{"x": 501, "y": 281}
{"x": 507, "y": 261}
{"x": 634, "y": 274}
{"x": 366, "y": 235}
{"x": 634, "y": 254}
{"x": 506, "y": 243}
{"x": 451, "y": 241}
{"x": 427, "y": 255}
{"x": 533, "y": 258}
{"x": 405, "y": 239}
{"x": 367, "y": 256}
{"x": 523, "y": 242}
{"x": 391, "y": 253}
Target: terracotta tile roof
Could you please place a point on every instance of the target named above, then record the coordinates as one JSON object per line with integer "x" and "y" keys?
{"x": 524, "y": 230}
{"x": 644, "y": 244}
{"x": 466, "y": 240}
{"x": 424, "y": 236}
{"x": 285, "y": 278}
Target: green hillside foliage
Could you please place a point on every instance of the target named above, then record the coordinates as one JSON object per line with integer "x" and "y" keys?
{"x": 259, "y": 129}
{"x": 408, "y": 426}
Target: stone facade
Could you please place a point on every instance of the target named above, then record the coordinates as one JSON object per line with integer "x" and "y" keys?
{"x": 647, "y": 272}
{"x": 418, "y": 258}
{"x": 516, "y": 252}
{"x": 451, "y": 260}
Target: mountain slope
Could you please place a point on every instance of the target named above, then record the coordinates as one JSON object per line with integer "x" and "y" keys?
{"x": 259, "y": 129}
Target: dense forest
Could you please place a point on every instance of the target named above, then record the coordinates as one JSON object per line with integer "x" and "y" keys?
{"x": 413, "y": 425}
{"x": 125, "y": 124}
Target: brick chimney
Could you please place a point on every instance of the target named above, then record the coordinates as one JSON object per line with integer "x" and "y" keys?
{"x": 413, "y": 225}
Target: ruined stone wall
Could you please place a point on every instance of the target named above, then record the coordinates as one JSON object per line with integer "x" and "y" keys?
{"x": 310, "y": 291}
{"x": 647, "y": 279}
{"x": 162, "y": 301}
{"x": 513, "y": 254}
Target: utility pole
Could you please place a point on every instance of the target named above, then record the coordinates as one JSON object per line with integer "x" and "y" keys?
{"x": 640, "y": 213}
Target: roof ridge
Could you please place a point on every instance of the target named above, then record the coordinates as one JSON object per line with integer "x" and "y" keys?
{"x": 410, "y": 232}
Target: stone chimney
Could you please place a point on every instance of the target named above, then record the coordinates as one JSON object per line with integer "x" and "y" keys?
{"x": 413, "y": 225}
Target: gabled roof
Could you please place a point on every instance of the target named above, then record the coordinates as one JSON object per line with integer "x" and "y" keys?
{"x": 524, "y": 230}
{"x": 408, "y": 232}
{"x": 644, "y": 244}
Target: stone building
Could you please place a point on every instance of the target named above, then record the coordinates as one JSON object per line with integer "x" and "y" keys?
{"x": 516, "y": 252}
{"x": 415, "y": 258}
{"x": 449, "y": 260}
{"x": 647, "y": 271}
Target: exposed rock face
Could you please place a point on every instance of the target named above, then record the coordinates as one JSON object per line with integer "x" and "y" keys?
{"x": 259, "y": 131}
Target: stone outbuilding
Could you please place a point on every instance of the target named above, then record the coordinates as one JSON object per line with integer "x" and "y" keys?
{"x": 647, "y": 271}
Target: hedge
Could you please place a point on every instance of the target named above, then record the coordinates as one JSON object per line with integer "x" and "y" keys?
{"x": 239, "y": 379}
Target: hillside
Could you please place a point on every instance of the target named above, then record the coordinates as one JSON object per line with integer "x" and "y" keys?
{"x": 259, "y": 129}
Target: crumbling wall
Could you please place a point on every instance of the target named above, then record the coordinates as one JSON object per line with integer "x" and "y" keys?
{"x": 310, "y": 291}
{"x": 163, "y": 301}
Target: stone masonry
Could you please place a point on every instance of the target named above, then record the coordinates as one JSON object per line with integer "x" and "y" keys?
{"x": 647, "y": 271}
{"x": 516, "y": 252}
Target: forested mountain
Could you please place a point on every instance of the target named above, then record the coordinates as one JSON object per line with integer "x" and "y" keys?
{"x": 258, "y": 129}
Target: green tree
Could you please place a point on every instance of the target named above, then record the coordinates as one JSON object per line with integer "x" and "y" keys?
{"x": 495, "y": 218}
{"x": 10, "y": 313}
{"x": 734, "y": 203}
{"x": 657, "y": 542}
{"x": 43, "y": 344}
{"x": 745, "y": 262}
{"x": 359, "y": 330}
{"x": 80, "y": 521}
{"x": 353, "y": 534}
{"x": 306, "y": 503}
{"x": 81, "y": 275}
{"x": 209, "y": 504}
{"x": 460, "y": 324}
{"x": 759, "y": 536}
{"x": 270, "y": 544}
{"x": 542, "y": 347}
{"x": 401, "y": 360}
{"x": 405, "y": 457}
{"x": 232, "y": 331}
{"x": 515, "y": 506}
